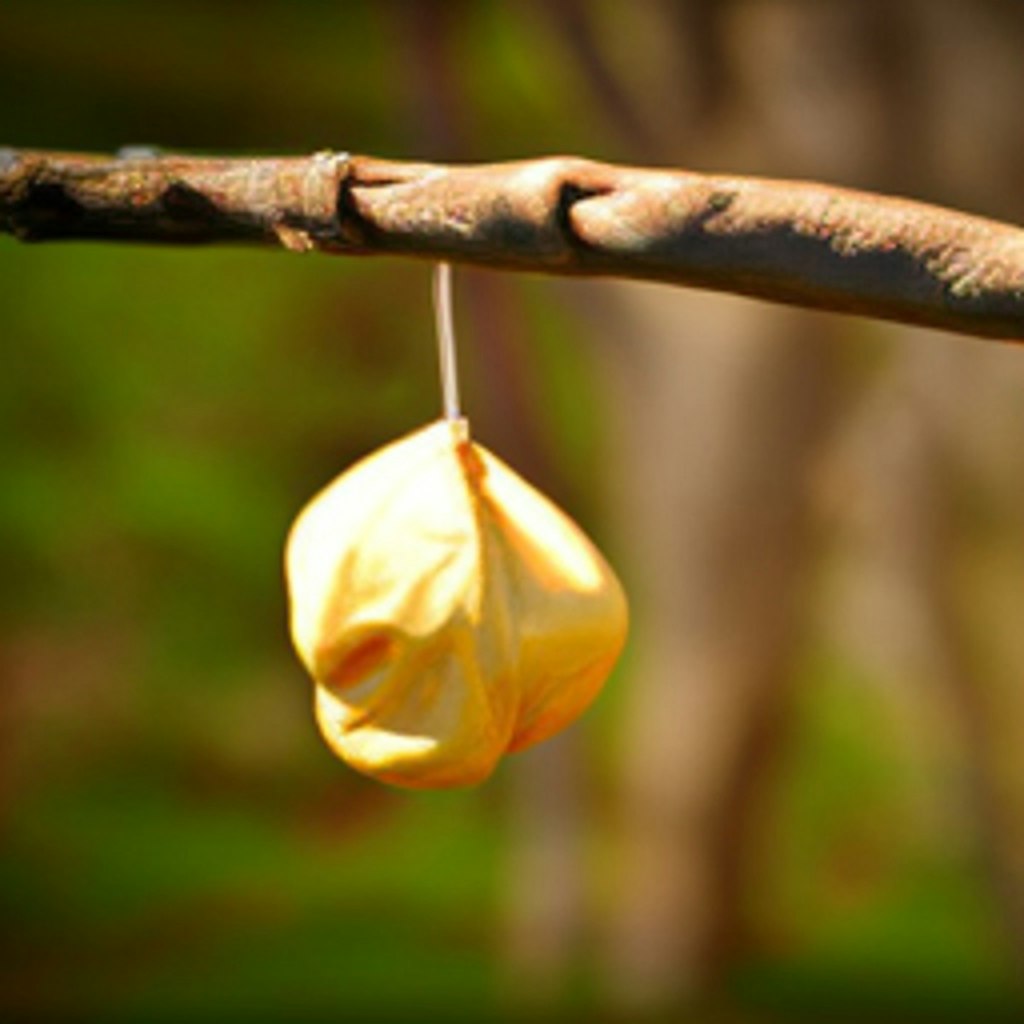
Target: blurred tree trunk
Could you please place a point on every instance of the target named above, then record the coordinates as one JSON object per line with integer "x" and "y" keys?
{"x": 899, "y": 616}
{"x": 938, "y": 413}
{"x": 715, "y": 457}
{"x": 978, "y": 419}
{"x": 727, "y": 405}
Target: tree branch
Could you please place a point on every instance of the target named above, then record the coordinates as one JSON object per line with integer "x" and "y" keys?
{"x": 794, "y": 242}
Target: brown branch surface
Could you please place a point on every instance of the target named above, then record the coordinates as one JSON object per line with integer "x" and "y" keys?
{"x": 786, "y": 241}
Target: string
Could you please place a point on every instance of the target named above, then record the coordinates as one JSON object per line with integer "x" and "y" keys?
{"x": 446, "y": 341}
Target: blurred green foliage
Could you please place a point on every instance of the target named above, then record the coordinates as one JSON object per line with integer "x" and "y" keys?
{"x": 176, "y": 842}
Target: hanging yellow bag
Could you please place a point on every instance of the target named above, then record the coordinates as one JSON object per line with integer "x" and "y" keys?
{"x": 447, "y": 612}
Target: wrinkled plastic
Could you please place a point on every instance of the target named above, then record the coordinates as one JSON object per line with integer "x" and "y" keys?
{"x": 447, "y": 611}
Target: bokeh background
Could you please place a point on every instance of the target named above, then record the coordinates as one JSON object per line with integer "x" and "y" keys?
{"x": 802, "y": 793}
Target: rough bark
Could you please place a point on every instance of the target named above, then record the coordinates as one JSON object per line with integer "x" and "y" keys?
{"x": 795, "y": 242}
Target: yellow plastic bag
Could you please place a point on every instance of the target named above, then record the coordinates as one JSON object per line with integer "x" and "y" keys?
{"x": 447, "y": 611}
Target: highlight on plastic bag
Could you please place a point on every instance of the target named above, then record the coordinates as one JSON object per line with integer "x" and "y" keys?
{"x": 447, "y": 611}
